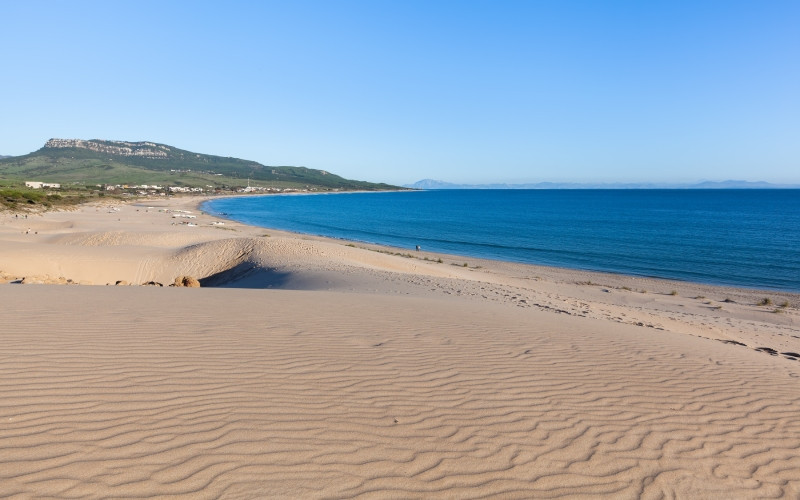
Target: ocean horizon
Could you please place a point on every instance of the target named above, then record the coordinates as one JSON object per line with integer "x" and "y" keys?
{"x": 745, "y": 238}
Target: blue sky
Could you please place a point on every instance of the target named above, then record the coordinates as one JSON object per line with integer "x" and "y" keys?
{"x": 397, "y": 91}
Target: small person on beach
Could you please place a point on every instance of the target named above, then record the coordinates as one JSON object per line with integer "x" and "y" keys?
{"x": 417, "y": 248}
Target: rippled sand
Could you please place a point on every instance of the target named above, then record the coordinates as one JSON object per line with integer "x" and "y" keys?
{"x": 314, "y": 369}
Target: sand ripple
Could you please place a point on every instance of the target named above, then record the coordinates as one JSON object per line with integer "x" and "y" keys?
{"x": 131, "y": 392}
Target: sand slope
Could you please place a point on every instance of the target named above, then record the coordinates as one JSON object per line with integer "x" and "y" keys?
{"x": 167, "y": 392}
{"x": 316, "y": 368}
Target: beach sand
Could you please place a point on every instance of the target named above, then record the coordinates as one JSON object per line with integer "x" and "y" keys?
{"x": 307, "y": 367}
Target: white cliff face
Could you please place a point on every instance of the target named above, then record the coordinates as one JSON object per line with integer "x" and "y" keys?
{"x": 119, "y": 148}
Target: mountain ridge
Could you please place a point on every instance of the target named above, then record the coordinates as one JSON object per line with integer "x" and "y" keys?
{"x": 100, "y": 161}
{"x": 727, "y": 184}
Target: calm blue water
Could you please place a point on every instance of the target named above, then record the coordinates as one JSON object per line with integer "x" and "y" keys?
{"x": 747, "y": 238}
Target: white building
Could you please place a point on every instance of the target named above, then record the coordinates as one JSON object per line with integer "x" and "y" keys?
{"x": 40, "y": 185}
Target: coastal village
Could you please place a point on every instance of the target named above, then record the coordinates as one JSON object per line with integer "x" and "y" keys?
{"x": 156, "y": 190}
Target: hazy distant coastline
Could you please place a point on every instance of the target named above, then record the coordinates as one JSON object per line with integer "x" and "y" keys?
{"x": 729, "y": 184}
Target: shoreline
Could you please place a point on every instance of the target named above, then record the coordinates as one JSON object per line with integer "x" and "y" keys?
{"x": 655, "y": 281}
{"x": 308, "y": 367}
{"x": 679, "y": 278}
{"x": 640, "y": 301}
{"x": 452, "y": 262}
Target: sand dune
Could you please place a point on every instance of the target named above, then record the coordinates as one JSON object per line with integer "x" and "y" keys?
{"x": 371, "y": 375}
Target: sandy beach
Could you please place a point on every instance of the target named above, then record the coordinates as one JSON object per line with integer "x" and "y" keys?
{"x": 305, "y": 367}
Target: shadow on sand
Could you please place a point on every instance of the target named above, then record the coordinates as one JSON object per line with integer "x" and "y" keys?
{"x": 246, "y": 275}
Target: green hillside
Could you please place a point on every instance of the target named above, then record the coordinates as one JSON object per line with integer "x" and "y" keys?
{"x": 88, "y": 162}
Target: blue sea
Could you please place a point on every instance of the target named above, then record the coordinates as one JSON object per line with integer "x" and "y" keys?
{"x": 748, "y": 238}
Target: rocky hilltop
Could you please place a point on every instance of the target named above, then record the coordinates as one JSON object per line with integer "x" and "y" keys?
{"x": 95, "y": 161}
{"x": 119, "y": 148}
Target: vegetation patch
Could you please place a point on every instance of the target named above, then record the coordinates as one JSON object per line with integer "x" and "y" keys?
{"x": 18, "y": 198}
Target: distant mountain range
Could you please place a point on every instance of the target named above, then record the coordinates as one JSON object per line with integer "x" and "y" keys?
{"x": 731, "y": 184}
{"x": 78, "y": 161}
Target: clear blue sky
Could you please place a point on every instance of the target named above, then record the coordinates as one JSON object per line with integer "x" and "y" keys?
{"x": 397, "y": 91}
